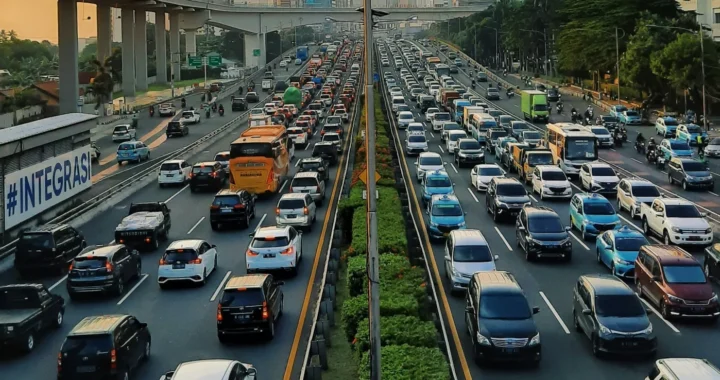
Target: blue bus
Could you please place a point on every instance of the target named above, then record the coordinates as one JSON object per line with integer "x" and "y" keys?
{"x": 302, "y": 53}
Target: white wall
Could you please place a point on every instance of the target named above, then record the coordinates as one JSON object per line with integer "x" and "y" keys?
{"x": 7, "y": 119}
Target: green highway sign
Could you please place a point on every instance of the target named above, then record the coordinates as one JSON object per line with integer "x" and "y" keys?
{"x": 214, "y": 60}
{"x": 256, "y": 52}
{"x": 195, "y": 61}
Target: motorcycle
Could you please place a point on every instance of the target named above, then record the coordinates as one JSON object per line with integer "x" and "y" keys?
{"x": 559, "y": 108}
{"x": 221, "y": 111}
{"x": 617, "y": 139}
{"x": 640, "y": 147}
{"x": 574, "y": 116}
{"x": 472, "y": 85}
{"x": 214, "y": 107}
{"x": 623, "y": 133}
{"x": 207, "y": 113}
{"x": 152, "y": 111}
{"x": 182, "y": 103}
{"x": 510, "y": 93}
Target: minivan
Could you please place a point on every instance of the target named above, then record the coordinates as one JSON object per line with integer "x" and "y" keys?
{"x": 309, "y": 183}
{"x": 249, "y": 304}
{"x": 466, "y": 253}
{"x": 49, "y": 247}
{"x": 296, "y": 210}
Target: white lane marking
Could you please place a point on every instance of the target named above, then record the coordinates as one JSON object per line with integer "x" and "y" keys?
{"x": 516, "y": 106}
{"x": 577, "y": 187}
{"x": 713, "y": 194}
{"x": 196, "y": 224}
{"x": 176, "y": 194}
{"x": 555, "y": 313}
{"x": 533, "y": 198}
{"x": 220, "y": 286}
{"x": 60, "y": 281}
{"x": 431, "y": 134}
{"x": 636, "y": 160}
{"x": 453, "y": 166}
{"x": 652, "y": 309}
{"x": 441, "y": 149}
{"x": 260, "y": 222}
{"x": 664, "y": 172}
{"x": 629, "y": 222}
{"x": 140, "y": 281}
{"x": 503, "y": 239}
{"x": 297, "y": 163}
{"x": 473, "y": 195}
{"x": 579, "y": 241}
{"x": 307, "y": 145}
{"x": 282, "y": 186}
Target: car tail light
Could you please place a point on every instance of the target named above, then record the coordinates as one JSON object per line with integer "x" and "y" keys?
{"x": 148, "y": 240}
{"x": 219, "y": 316}
{"x": 214, "y": 207}
{"x": 196, "y": 261}
{"x": 163, "y": 262}
{"x": 113, "y": 359}
{"x": 251, "y": 253}
{"x": 59, "y": 362}
{"x": 265, "y": 314}
{"x": 108, "y": 267}
{"x": 190, "y": 175}
{"x": 288, "y": 251}
{"x": 306, "y": 211}
{"x": 213, "y": 174}
{"x": 71, "y": 267}
{"x": 239, "y": 206}
{"x": 277, "y": 211}
{"x": 121, "y": 241}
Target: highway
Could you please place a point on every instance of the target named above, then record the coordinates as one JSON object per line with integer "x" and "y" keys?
{"x": 182, "y": 320}
{"x": 548, "y": 285}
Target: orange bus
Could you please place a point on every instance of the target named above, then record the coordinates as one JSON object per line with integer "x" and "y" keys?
{"x": 260, "y": 159}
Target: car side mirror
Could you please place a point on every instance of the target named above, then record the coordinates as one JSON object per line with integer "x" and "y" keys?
{"x": 704, "y": 214}
{"x": 521, "y": 228}
{"x": 656, "y": 278}
{"x": 496, "y": 257}
{"x": 279, "y": 283}
{"x": 444, "y": 163}
{"x": 251, "y": 372}
{"x": 142, "y": 324}
{"x": 167, "y": 375}
{"x": 587, "y": 311}
{"x": 427, "y": 212}
{"x": 252, "y": 234}
{"x": 447, "y": 257}
{"x": 535, "y": 310}
{"x": 568, "y": 229}
{"x": 213, "y": 246}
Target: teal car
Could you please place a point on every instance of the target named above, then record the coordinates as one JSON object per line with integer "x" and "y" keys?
{"x": 592, "y": 214}
{"x": 445, "y": 214}
{"x": 690, "y": 133}
{"x": 675, "y": 148}
{"x": 617, "y": 250}
{"x": 501, "y": 146}
{"x": 666, "y": 126}
{"x": 132, "y": 151}
{"x": 437, "y": 182}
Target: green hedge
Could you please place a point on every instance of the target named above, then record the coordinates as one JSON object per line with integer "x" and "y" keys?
{"x": 391, "y": 224}
{"x": 396, "y": 274}
{"x": 398, "y": 329}
{"x": 406, "y": 362}
{"x": 355, "y": 309}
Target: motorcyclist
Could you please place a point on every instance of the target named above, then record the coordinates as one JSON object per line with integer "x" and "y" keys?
{"x": 182, "y": 102}
{"x": 214, "y": 107}
{"x": 221, "y": 109}
{"x": 504, "y": 72}
{"x": 651, "y": 144}
{"x": 559, "y": 107}
{"x": 152, "y": 110}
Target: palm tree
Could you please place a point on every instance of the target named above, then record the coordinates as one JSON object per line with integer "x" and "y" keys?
{"x": 107, "y": 76}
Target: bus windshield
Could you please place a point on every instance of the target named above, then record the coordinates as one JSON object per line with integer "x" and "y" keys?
{"x": 251, "y": 150}
{"x": 580, "y": 149}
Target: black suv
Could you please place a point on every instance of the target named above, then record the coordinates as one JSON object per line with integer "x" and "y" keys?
{"x": 207, "y": 174}
{"x": 327, "y": 151}
{"x": 50, "y": 247}
{"x": 103, "y": 348}
{"x": 690, "y": 173}
{"x": 499, "y": 319}
{"x": 239, "y": 104}
{"x": 177, "y": 128}
{"x": 315, "y": 164}
{"x": 506, "y": 197}
{"x": 232, "y": 207}
{"x": 540, "y": 233}
{"x": 103, "y": 269}
{"x": 250, "y": 304}
{"x": 469, "y": 152}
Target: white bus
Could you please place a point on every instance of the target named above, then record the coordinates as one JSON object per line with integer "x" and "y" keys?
{"x": 572, "y": 146}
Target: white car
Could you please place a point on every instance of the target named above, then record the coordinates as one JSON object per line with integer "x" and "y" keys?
{"x": 327, "y": 99}
{"x": 451, "y": 140}
{"x": 174, "y": 172}
{"x": 187, "y": 260}
{"x": 416, "y": 143}
{"x": 212, "y": 369}
{"x": 283, "y": 63}
{"x": 428, "y": 162}
{"x": 404, "y": 119}
{"x": 551, "y": 182}
{"x": 274, "y": 248}
{"x": 632, "y": 192}
{"x": 296, "y": 209}
{"x": 440, "y": 118}
{"x": 598, "y": 177}
{"x": 434, "y": 89}
{"x": 270, "y": 108}
{"x": 415, "y": 128}
{"x": 604, "y": 138}
{"x": 166, "y": 109}
{"x": 298, "y": 62}
{"x": 258, "y": 112}
{"x": 333, "y": 138}
{"x": 343, "y": 114}
{"x": 482, "y": 174}
{"x": 298, "y": 135}
{"x": 190, "y": 117}
{"x": 224, "y": 159}
{"x": 124, "y": 132}
{"x": 430, "y": 113}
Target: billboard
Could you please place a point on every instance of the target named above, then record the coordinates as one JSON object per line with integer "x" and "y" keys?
{"x": 30, "y": 191}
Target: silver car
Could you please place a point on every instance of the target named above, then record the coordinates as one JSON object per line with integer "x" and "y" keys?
{"x": 297, "y": 210}
{"x": 467, "y": 252}
{"x": 309, "y": 183}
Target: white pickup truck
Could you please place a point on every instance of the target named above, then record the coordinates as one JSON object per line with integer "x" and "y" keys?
{"x": 191, "y": 117}
{"x": 676, "y": 221}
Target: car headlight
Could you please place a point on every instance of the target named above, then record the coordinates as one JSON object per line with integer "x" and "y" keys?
{"x": 566, "y": 243}
{"x": 620, "y": 261}
{"x": 675, "y": 299}
{"x": 527, "y": 204}
{"x": 647, "y": 330}
{"x": 675, "y": 229}
{"x": 604, "y": 330}
{"x": 708, "y": 231}
{"x": 535, "y": 340}
{"x": 461, "y": 224}
{"x": 481, "y": 339}
{"x": 713, "y": 299}
{"x": 501, "y": 204}
{"x": 461, "y": 154}
{"x": 9, "y": 328}
{"x": 535, "y": 242}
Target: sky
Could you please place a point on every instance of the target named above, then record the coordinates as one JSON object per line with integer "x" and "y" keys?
{"x": 40, "y": 22}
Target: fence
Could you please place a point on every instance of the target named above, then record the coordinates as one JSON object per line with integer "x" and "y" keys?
{"x": 9, "y": 119}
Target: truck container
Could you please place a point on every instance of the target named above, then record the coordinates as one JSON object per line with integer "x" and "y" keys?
{"x": 534, "y": 105}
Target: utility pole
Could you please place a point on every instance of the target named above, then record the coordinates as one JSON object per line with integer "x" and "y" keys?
{"x": 702, "y": 64}
{"x": 617, "y": 62}
{"x": 373, "y": 259}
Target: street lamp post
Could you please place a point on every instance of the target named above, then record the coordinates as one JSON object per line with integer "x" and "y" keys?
{"x": 545, "y": 61}
{"x": 496, "y": 43}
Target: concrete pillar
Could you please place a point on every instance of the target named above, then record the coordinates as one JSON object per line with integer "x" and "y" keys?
{"x": 68, "y": 54}
{"x": 252, "y": 42}
{"x": 190, "y": 42}
{"x": 104, "y": 32}
{"x": 263, "y": 49}
{"x": 141, "y": 59}
{"x": 160, "y": 49}
{"x": 175, "y": 44}
{"x": 127, "y": 16}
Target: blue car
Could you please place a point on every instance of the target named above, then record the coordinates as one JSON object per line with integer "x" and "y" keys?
{"x": 675, "y": 148}
{"x": 690, "y": 133}
{"x": 666, "y": 126}
{"x": 437, "y": 182}
{"x": 135, "y": 151}
{"x": 446, "y": 215}
{"x": 617, "y": 110}
{"x": 618, "y": 249}
{"x": 592, "y": 214}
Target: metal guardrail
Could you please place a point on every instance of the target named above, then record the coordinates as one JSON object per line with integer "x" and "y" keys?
{"x": 93, "y": 202}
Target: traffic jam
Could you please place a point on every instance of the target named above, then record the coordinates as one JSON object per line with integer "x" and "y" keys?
{"x": 205, "y": 270}
{"x": 548, "y": 254}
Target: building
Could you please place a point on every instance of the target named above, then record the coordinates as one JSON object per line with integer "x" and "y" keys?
{"x": 83, "y": 42}
{"x": 325, "y": 3}
{"x": 708, "y": 13}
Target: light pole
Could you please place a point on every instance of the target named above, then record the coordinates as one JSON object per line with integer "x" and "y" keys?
{"x": 617, "y": 52}
{"x": 497, "y": 32}
{"x": 701, "y": 35}
{"x": 545, "y": 63}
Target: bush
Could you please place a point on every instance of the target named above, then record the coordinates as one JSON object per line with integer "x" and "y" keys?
{"x": 391, "y": 225}
{"x": 396, "y": 275}
{"x": 355, "y": 309}
{"x": 397, "y": 330}
{"x": 408, "y": 363}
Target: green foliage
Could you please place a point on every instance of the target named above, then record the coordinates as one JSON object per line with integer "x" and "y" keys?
{"x": 391, "y": 225}
{"x": 396, "y": 274}
{"x": 355, "y": 309}
{"x": 397, "y": 330}
{"x": 406, "y": 362}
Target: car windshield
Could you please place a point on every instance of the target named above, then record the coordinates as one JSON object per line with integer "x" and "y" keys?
{"x": 645, "y": 191}
{"x": 179, "y": 255}
{"x": 269, "y": 242}
{"x": 494, "y": 135}
{"x": 37, "y": 240}
{"x": 442, "y": 116}
{"x": 406, "y": 116}
{"x": 202, "y": 169}
{"x": 333, "y": 120}
{"x": 619, "y": 305}
{"x": 630, "y": 243}
{"x": 242, "y": 297}
{"x": 512, "y": 190}
{"x": 450, "y": 126}
{"x": 416, "y": 138}
{"x": 671, "y": 122}
{"x": 554, "y": 176}
{"x": 222, "y": 157}
{"x": 603, "y": 172}
{"x": 513, "y": 306}
{"x": 289, "y": 204}
{"x": 18, "y": 299}
{"x": 517, "y": 127}
{"x": 431, "y": 161}
{"x": 87, "y": 345}
{"x": 715, "y": 141}
{"x": 684, "y": 274}
{"x": 540, "y": 159}
{"x": 188, "y": 114}
{"x": 600, "y": 131}
{"x": 679, "y": 145}
{"x": 472, "y": 254}
{"x": 169, "y": 167}
{"x": 598, "y": 208}
{"x": 580, "y": 149}
{"x": 631, "y": 113}
{"x": 438, "y": 182}
{"x": 682, "y": 211}
{"x": 694, "y": 129}
{"x": 226, "y": 200}
{"x": 610, "y": 119}
{"x": 694, "y": 166}
{"x": 89, "y": 262}
{"x": 126, "y": 147}
{"x": 447, "y": 210}
{"x": 431, "y": 111}
{"x": 530, "y": 135}
{"x": 469, "y": 145}
{"x": 490, "y": 172}
{"x": 540, "y": 107}
{"x": 121, "y": 128}
{"x": 545, "y": 224}
{"x": 331, "y": 137}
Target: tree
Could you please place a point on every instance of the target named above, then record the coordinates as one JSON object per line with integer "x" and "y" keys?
{"x": 232, "y": 45}
{"x": 109, "y": 72}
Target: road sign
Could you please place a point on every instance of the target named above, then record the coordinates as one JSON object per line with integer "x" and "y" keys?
{"x": 195, "y": 61}
{"x": 364, "y": 176}
{"x": 214, "y": 60}
{"x": 256, "y": 52}
{"x": 376, "y": 77}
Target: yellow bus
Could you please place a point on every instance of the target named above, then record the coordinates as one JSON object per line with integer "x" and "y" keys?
{"x": 260, "y": 159}
{"x": 434, "y": 60}
{"x": 571, "y": 145}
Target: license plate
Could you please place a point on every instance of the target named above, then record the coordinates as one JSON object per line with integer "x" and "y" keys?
{"x": 168, "y": 175}
{"x": 242, "y": 318}
{"x": 269, "y": 255}
{"x": 85, "y": 369}
{"x": 629, "y": 344}
{"x": 514, "y": 213}
{"x": 305, "y": 191}
{"x": 698, "y": 309}
{"x": 178, "y": 266}
{"x": 694, "y": 238}
{"x": 291, "y": 216}
{"x": 226, "y": 210}
{"x": 509, "y": 350}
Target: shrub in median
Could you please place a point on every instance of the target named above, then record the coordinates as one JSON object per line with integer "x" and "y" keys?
{"x": 396, "y": 274}
{"x": 406, "y": 362}
{"x": 355, "y": 309}
{"x": 398, "y": 329}
{"x": 391, "y": 225}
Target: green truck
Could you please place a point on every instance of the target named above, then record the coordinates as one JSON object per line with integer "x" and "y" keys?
{"x": 534, "y": 106}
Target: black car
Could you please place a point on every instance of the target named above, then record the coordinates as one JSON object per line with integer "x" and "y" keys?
{"x": 103, "y": 269}
{"x": 177, "y": 128}
{"x": 232, "y": 207}
{"x": 239, "y": 104}
{"x": 689, "y": 173}
{"x": 469, "y": 152}
{"x": 315, "y": 164}
{"x": 553, "y": 95}
{"x": 25, "y": 309}
{"x": 47, "y": 248}
{"x": 105, "y": 347}
{"x": 327, "y": 151}
{"x": 540, "y": 233}
{"x": 500, "y": 320}
{"x": 492, "y": 93}
{"x": 249, "y": 304}
{"x": 453, "y": 69}
{"x": 506, "y": 197}
{"x": 711, "y": 264}
{"x": 207, "y": 174}
{"x": 252, "y": 97}
{"x": 612, "y": 316}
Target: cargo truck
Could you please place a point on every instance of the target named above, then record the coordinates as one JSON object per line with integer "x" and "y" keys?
{"x": 534, "y": 106}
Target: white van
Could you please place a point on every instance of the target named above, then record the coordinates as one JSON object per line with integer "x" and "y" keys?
{"x": 683, "y": 369}
{"x": 355, "y": 68}
{"x": 397, "y": 101}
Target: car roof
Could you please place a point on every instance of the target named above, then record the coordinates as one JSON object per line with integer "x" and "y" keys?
{"x": 97, "y": 324}
{"x": 270, "y": 231}
{"x": 185, "y": 244}
{"x": 100, "y": 250}
{"x": 598, "y": 165}
{"x": 306, "y": 175}
{"x": 690, "y": 368}
{"x": 506, "y": 181}
{"x": 670, "y": 254}
{"x": 626, "y": 231}
{"x": 549, "y": 168}
{"x": 438, "y": 173}
{"x": 468, "y": 237}
{"x": 205, "y": 163}
{"x": 293, "y": 196}
{"x": 226, "y": 192}
{"x": 45, "y": 228}
{"x": 204, "y": 369}
{"x": 246, "y": 281}
{"x": 497, "y": 282}
{"x": 638, "y": 181}
{"x": 444, "y": 198}
{"x": 179, "y": 161}
{"x": 539, "y": 211}
{"x": 675, "y": 201}
{"x": 606, "y": 284}
{"x": 592, "y": 197}
{"x": 429, "y": 154}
